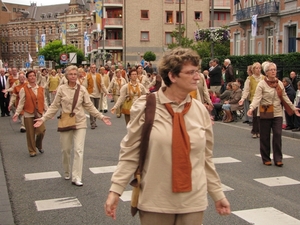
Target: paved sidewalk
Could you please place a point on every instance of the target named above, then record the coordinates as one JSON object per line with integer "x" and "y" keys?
{"x": 6, "y": 217}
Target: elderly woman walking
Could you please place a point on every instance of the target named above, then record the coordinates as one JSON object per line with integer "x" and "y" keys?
{"x": 178, "y": 169}
{"x": 76, "y": 138}
{"x": 269, "y": 95}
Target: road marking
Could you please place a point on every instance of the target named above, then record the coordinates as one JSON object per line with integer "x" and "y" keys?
{"x": 263, "y": 216}
{"x": 226, "y": 188}
{"x": 40, "y": 176}
{"x": 277, "y": 181}
{"x": 283, "y": 156}
{"x": 126, "y": 196}
{"x": 225, "y": 160}
{"x": 57, "y": 203}
{"x": 104, "y": 169}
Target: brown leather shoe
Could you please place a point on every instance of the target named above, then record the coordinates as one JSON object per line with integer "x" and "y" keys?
{"x": 279, "y": 164}
{"x": 268, "y": 163}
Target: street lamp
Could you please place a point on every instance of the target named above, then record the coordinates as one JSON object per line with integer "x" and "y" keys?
{"x": 179, "y": 28}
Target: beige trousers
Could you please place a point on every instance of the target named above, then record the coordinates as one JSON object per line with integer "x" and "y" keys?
{"x": 77, "y": 139}
{"x": 150, "y": 218}
{"x": 118, "y": 110}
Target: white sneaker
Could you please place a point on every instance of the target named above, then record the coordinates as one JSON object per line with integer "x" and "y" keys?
{"x": 77, "y": 183}
{"x": 67, "y": 177}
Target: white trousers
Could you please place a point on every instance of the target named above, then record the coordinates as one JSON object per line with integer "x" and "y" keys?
{"x": 103, "y": 104}
{"x": 77, "y": 139}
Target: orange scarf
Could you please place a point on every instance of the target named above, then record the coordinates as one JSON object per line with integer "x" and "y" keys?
{"x": 181, "y": 164}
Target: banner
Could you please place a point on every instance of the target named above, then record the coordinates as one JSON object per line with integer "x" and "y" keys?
{"x": 43, "y": 40}
{"x": 36, "y": 42}
{"x": 30, "y": 58}
{"x": 86, "y": 43}
{"x": 98, "y": 9}
{"x": 254, "y": 25}
{"x": 63, "y": 33}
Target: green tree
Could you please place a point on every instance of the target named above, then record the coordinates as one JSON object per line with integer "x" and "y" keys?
{"x": 149, "y": 56}
{"x": 54, "y": 49}
{"x": 203, "y": 47}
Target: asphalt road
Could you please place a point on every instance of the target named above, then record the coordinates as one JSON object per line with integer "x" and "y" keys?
{"x": 101, "y": 149}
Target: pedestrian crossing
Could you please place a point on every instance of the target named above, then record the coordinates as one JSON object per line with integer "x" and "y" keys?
{"x": 257, "y": 216}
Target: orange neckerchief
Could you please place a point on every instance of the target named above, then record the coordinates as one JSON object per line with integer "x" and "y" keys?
{"x": 133, "y": 90}
{"x": 181, "y": 164}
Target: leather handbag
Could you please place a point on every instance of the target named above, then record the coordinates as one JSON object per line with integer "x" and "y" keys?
{"x": 127, "y": 106}
{"x": 136, "y": 182}
{"x": 67, "y": 121}
{"x": 266, "y": 111}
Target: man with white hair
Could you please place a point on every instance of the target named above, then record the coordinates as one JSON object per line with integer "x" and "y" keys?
{"x": 229, "y": 75}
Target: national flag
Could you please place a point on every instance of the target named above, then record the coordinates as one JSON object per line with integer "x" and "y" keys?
{"x": 30, "y": 58}
{"x": 254, "y": 25}
{"x": 86, "y": 39}
{"x": 36, "y": 43}
{"x": 63, "y": 33}
{"x": 43, "y": 40}
{"x": 98, "y": 9}
{"x": 86, "y": 43}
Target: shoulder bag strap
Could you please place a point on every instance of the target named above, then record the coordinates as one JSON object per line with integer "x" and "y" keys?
{"x": 75, "y": 97}
{"x": 149, "y": 118}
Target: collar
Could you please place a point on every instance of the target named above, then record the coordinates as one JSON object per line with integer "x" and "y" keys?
{"x": 164, "y": 99}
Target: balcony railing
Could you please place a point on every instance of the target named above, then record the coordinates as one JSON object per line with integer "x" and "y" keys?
{"x": 220, "y": 23}
{"x": 261, "y": 10}
{"x": 112, "y": 1}
{"x": 113, "y": 21}
{"x": 109, "y": 43}
{"x": 221, "y": 3}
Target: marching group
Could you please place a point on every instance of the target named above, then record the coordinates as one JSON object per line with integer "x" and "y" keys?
{"x": 36, "y": 96}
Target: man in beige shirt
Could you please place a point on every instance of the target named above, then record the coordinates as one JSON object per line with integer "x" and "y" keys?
{"x": 95, "y": 87}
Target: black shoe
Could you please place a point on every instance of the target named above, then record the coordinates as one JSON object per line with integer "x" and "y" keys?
{"x": 22, "y": 130}
{"x": 105, "y": 110}
{"x": 246, "y": 121}
{"x": 296, "y": 129}
{"x": 288, "y": 128}
{"x": 112, "y": 100}
{"x": 101, "y": 110}
{"x": 41, "y": 150}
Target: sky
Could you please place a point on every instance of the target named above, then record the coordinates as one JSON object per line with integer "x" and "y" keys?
{"x": 39, "y": 2}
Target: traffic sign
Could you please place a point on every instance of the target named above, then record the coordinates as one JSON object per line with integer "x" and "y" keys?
{"x": 41, "y": 63}
{"x": 27, "y": 64}
{"x": 64, "y": 57}
{"x": 41, "y": 60}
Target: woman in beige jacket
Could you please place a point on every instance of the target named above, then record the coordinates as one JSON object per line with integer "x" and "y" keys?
{"x": 72, "y": 138}
{"x": 178, "y": 169}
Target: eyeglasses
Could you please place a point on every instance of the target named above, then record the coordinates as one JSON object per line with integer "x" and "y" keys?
{"x": 72, "y": 74}
{"x": 191, "y": 72}
{"x": 272, "y": 70}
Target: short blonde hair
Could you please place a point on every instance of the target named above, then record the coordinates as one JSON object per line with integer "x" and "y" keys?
{"x": 72, "y": 67}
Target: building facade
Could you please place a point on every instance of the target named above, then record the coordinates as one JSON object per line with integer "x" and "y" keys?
{"x": 130, "y": 28}
{"x": 277, "y": 29}
{"x": 127, "y": 28}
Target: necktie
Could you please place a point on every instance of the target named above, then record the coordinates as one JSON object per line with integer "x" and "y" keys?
{"x": 181, "y": 164}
